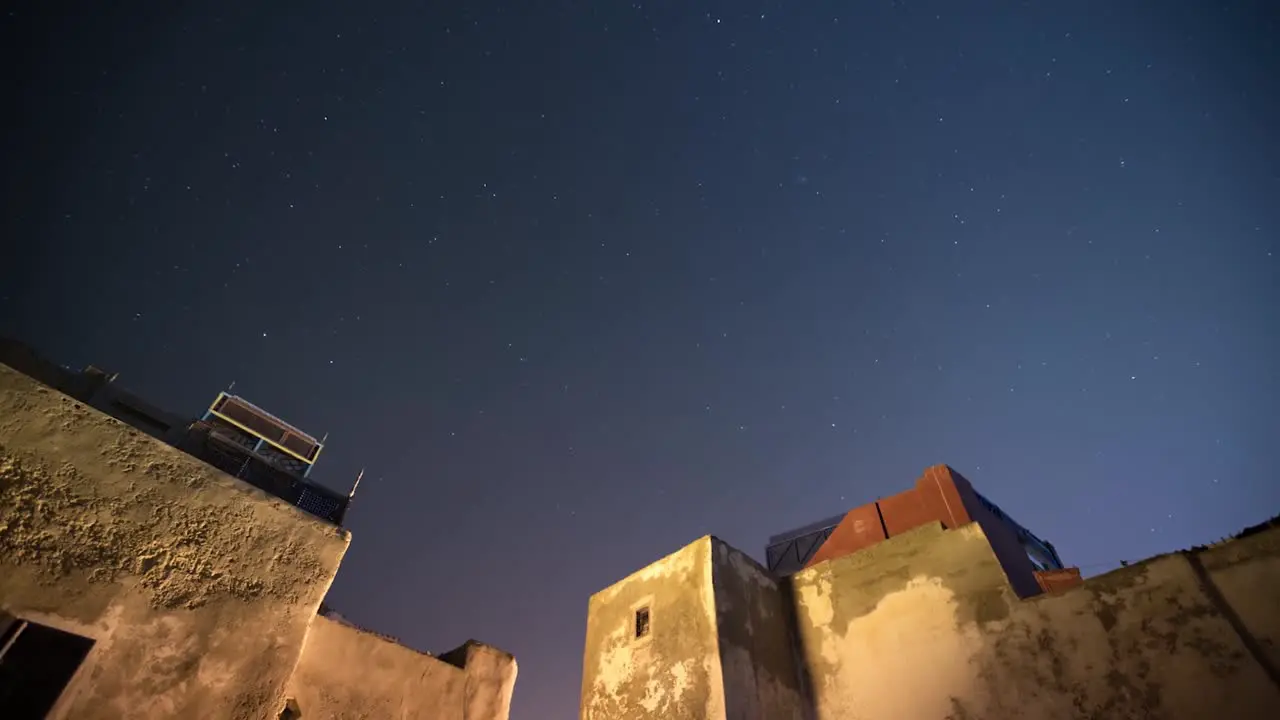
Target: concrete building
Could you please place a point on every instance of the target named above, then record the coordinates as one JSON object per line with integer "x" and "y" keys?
{"x": 140, "y": 580}
{"x": 935, "y": 605}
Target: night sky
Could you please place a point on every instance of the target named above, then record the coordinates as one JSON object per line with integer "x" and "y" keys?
{"x": 580, "y": 282}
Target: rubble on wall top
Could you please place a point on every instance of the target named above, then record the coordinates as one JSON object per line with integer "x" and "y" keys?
{"x": 1263, "y": 526}
{"x": 1255, "y": 529}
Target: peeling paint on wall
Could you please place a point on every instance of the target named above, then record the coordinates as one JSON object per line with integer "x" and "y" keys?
{"x": 672, "y": 672}
{"x": 873, "y": 663}
{"x": 927, "y": 625}
{"x": 719, "y": 645}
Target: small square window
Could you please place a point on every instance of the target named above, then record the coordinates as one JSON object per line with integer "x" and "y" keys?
{"x": 642, "y": 622}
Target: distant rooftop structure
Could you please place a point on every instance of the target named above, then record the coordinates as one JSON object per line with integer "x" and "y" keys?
{"x": 234, "y": 435}
{"x": 788, "y": 552}
{"x": 282, "y": 444}
{"x": 249, "y": 443}
{"x": 940, "y": 495}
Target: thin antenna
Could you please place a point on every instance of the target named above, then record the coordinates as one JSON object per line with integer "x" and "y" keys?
{"x": 231, "y": 386}
{"x": 324, "y": 439}
{"x": 351, "y": 496}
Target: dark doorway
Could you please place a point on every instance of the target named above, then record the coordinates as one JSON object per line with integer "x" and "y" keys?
{"x": 36, "y": 663}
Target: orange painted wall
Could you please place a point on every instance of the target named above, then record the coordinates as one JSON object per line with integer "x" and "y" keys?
{"x": 860, "y": 528}
{"x": 935, "y": 498}
{"x": 1052, "y": 581}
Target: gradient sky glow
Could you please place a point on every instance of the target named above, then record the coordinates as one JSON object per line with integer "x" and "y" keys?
{"x": 579, "y": 282}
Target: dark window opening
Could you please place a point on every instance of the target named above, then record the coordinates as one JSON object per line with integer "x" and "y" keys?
{"x": 291, "y": 710}
{"x": 36, "y": 663}
{"x": 642, "y": 622}
{"x": 1036, "y": 562}
{"x": 1040, "y": 559}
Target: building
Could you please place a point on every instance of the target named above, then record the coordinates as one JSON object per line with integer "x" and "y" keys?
{"x": 233, "y": 434}
{"x": 934, "y": 604}
{"x": 154, "y": 567}
{"x": 941, "y": 495}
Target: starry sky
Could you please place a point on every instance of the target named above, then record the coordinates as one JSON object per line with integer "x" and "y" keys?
{"x": 580, "y": 282}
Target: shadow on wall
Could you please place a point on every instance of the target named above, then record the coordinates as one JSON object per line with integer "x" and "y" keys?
{"x": 799, "y": 651}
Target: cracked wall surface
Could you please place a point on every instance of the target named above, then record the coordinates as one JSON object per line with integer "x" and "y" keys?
{"x": 197, "y": 588}
{"x": 925, "y": 625}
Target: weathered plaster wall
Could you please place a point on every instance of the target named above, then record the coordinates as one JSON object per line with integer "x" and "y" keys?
{"x": 1247, "y": 574}
{"x": 760, "y": 678}
{"x": 490, "y": 679}
{"x": 674, "y": 672}
{"x": 889, "y": 632}
{"x": 1143, "y": 641}
{"x": 925, "y": 625}
{"x": 197, "y": 588}
{"x": 345, "y": 672}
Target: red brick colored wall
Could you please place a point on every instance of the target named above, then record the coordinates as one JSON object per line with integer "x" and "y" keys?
{"x": 1052, "y": 581}
{"x": 935, "y": 498}
{"x": 944, "y": 496}
{"x": 905, "y": 511}
{"x": 860, "y": 528}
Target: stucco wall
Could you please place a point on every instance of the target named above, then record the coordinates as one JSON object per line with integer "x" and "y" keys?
{"x": 887, "y": 632}
{"x": 345, "y": 672}
{"x": 1247, "y": 574}
{"x": 197, "y": 588}
{"x": 925, "y": 625}
{"x": 1143, "y": 641}
{"x": 760, "y": 678}
{"x": 490, "y": 679}
{"x": 674, "y": 672}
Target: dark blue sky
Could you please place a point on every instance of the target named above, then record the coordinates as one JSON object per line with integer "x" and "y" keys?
{"x": 579, "y": 282}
